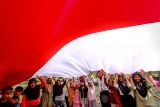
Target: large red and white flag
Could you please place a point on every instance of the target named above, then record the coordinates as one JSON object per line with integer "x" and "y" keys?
{"x": 33, "y": 31}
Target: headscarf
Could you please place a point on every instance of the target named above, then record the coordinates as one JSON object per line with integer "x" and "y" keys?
{"x": 32, "y": 93}
{"x": 123, "y": 86}
{"x": 141, "y": 86}
{"x": 49, "y": 86}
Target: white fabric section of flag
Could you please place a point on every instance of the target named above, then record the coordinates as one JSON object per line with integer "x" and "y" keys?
{"x": 120, "y": 50}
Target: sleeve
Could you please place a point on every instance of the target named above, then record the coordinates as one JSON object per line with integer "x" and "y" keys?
{"x": 43, "y": 82}
{"x": 20, "y": 98}
{"x": 116, "y": 86}
{"x": 23, "y": 104}
{"x": 133, "y": 87}
{"x": 152, "y": 80}
{"x": 64, "y": 84}
{"x": 149, "y": 84}
{"x": 129, "y": 85}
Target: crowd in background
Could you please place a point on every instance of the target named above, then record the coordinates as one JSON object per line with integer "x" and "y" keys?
{"x": 115, "y": 90}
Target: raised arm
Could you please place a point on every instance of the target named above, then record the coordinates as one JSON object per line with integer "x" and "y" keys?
{"x": 133, "y": 87}
{"x": 64, "y": 83}
{"x": 43, "y": 82}
{"x": 149, "y": 84}
{"x": 128, "y": 80}
{"x": 154, "y": 82}
{"x": 106, "y": 77}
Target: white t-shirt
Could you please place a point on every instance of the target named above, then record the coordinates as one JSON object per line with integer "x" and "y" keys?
{"x": 91, "y": 93}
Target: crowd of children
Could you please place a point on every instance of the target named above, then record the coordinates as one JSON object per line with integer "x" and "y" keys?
{"x": 116, "y": 90}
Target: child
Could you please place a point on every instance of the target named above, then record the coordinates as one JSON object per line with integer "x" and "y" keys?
{"x": 103, "y": 87}
{"x": 142, "y": 91}
{"x": 83, "y": 93}
{"x": 91, "y": 93}
{"x": 71, "y": 91}
{"x": 7, "y": 100}
{"x": 32, "y": 92}
{"x": 123, "y": 85}
{"x": 18, "y": 93}
{"x": 58, "y": 92}
{"x": 77, "y": 102}
{"x": 67, "y": 93}
{"x": 47, "y": 98}
{"x": 113, "y": 94}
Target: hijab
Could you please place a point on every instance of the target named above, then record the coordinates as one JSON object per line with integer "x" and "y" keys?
{"x": 32, "y": 93}
{"x": 141, "y": 86}
{"x": 123, "y": 86}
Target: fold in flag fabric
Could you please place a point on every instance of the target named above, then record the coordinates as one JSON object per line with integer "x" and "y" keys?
{"x": 36, "y": 37}
{"x": 123, "y": 50}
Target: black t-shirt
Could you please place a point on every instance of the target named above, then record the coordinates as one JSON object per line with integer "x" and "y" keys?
{"x": 83, "y": 91}
{"x": 32, "y": 93}
{"x": 58, "y": 89}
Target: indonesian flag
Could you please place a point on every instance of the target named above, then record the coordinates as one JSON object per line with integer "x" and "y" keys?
{"x": 73, "y": 37}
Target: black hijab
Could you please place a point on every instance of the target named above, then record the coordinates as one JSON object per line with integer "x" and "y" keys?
{"x": 141, "y": 86}
{"x": 32, "y": 93}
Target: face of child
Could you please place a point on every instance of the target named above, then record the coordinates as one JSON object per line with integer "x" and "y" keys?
{"x": 17, "y": 93}
{"x": 71, "y": 84}
{"x": 33, "y": 84}
{"x": 137, "y": 78}
{"x": 59, "y": 82}
{"x": 6, "y": 93}
{"x": 81, "y": 78}
{"x": 89, "y": 84}
{"x": 110, "y": 83}
{"x": 49, "y": 81}
{"x": 100, "y": 74}
{"x": 82, "y": 83}
{"x": 120, "y": 78}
